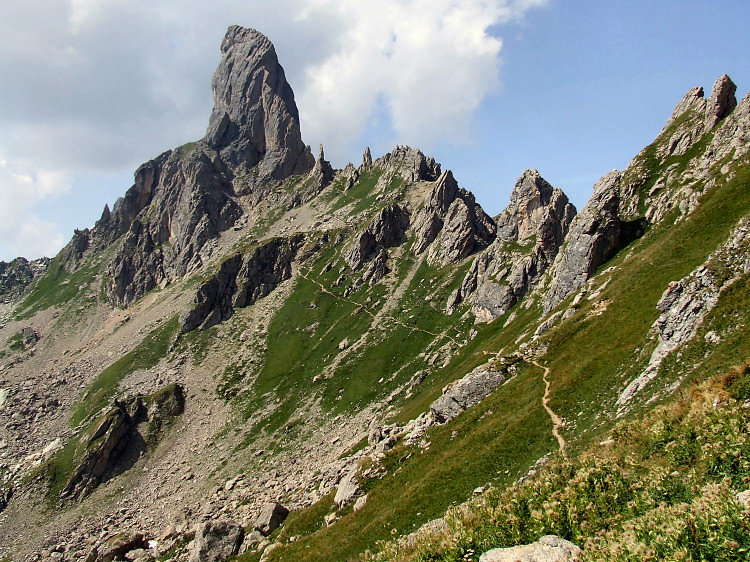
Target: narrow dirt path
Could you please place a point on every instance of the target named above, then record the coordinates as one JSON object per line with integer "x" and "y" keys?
{"x": 557, "y": 421}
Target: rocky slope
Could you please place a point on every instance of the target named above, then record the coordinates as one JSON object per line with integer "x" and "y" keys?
{"x": 255, "y": 353}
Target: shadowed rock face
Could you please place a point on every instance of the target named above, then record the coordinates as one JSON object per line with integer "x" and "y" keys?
{"x": 18, "y": 274}
{"x": 255, "y": 119}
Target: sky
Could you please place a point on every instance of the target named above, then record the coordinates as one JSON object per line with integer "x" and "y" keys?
{"x": 90, "y": 89}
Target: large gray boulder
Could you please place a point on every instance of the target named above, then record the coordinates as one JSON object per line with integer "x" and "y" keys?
{"x": 271, "y": 516}
{"x": 468, "y": 391}
{"x": 255, "y": 120}
{"x": 215, "y": 541}
{"x": 549, "y": 548}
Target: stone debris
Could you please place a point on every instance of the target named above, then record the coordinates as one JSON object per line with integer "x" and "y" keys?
{"x": 549, "y": 548}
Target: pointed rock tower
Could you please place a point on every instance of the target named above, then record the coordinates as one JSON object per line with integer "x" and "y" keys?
{"x": 255, "y": 120}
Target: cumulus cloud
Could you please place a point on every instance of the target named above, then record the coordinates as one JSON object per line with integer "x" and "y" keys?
{"x": 95, "y": 85}
{"x": 22, "y": 232}
{"x": 430, "y": 62}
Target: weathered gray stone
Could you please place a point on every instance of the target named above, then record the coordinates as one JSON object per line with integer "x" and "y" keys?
{"x": 466, "y": 392}
{"x": 348, "y": 489}
{"x": 595, "y": 235}
{"x": 215, "y": 541}
{"x": 271, "y": 516}
{"x": 18, "y": 274}
{"x": 721, "y": 102}
{"x": 115, "y": 547}
{"x": 386, "y": 230}
{"x": 538, "y": 215}
{"x": 549, "y": 548}
{"x": 255, "y": 121}
{"x": 241, "y": 281}
{"x": 451, "y": 224}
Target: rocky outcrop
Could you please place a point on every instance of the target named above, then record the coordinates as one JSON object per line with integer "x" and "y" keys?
{"x": 255, "y": 121}
{"x": 686, "y": 302}
{"x": 471, "y": 389}
{"x": 240, "y": 281}
{"x": 451, "y": 225}
{"x": 409, "y": 163}
{"x": 117, "y": 438}
{"x": 596, "y": 234}
{"x": 190, "y": 204}
{"x": 695, "y": 115}
{"x": 386, "y": 230}
{"x": 721, "y": 103}
{"x": 270, "y": 517}
{"x": 216, "y": 541}
{"x": 537, "y": 217}
{"x": 549, "y": 548}
{"x": 18, "y": 274}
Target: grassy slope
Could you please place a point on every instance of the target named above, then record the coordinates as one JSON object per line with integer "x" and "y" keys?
{"x": 663, "y": 487}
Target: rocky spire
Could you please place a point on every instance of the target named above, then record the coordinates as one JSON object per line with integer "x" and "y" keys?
{"x": 367, "y": 158}
{"x": 536, "y": 209}
{"x": 722, "y": 101}
{"x": 255, "y": 120}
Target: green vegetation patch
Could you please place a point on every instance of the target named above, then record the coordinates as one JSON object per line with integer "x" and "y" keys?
{"x": 143, "y": 356}
{"x": 58, "y": 287}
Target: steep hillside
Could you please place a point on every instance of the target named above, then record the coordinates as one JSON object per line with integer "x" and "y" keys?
{"x": 253, "y": 353}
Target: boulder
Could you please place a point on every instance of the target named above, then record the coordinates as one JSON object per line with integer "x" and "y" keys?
{"x": 215, "y": 541}
{"x": 115, "y": 547}
{"x": 271, "y": 516}
{"x": 549, "y": 548}
{"x": 466, "y": 392}
{"x": 348, "y": 489}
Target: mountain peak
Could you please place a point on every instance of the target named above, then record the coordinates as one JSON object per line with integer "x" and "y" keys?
{"x": 255, "y": 120}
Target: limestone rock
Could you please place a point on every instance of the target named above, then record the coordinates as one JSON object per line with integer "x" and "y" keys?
{"x": 595, "y": 235}
{"x": 348, "y": 489}
{"x": 685, "y": 303}
{"x": 271, "y": 516}
{"x": 111, "y": 447}
{"x": 549, "y": 548}
{"x": 467, "y": 392}
{"x": 451, "y": 224}
{"x": 538, "y": 216}
{"x": 241, "y": 281}
{"x": 409, "y": 163}
{"x": 18, "y": 274}
{"x": 721, "y": 102}
{"x": 386, "y": 229}
{"x": 215, "y": 541}
{"x": 115, "y": 547}
{"x": 255, "y": 121}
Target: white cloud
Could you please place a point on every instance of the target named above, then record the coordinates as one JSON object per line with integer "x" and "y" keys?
{"x": 430, "y": 62}
{"x": 22, "y": 232}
